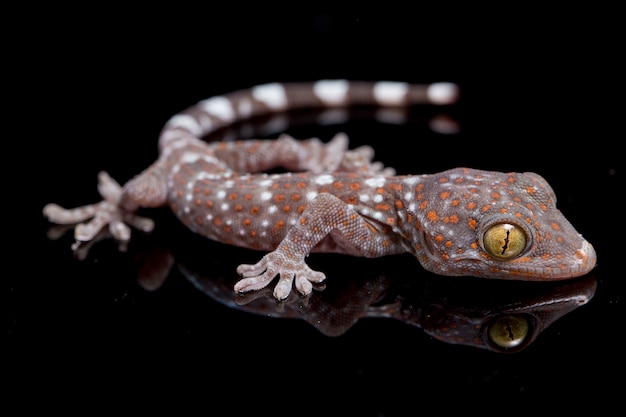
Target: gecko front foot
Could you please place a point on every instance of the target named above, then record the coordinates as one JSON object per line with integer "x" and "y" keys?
{"x": 106, "y": 212}
{"x": 259, "y": 275}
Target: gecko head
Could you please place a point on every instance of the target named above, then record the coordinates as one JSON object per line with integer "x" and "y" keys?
{"x": 501, "y": 225}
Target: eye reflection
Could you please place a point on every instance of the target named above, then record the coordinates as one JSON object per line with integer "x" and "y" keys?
{"x": 509, "y": 331}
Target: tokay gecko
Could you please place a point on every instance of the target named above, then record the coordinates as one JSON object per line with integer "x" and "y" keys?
{"x": 334, "y": 199}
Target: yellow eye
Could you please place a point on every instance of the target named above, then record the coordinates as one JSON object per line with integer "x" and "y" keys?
{"x": 509, "y": 331}
{"x": 504, "y": 240}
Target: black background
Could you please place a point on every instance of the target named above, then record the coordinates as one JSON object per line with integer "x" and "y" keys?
{"x": 540, "y": 93}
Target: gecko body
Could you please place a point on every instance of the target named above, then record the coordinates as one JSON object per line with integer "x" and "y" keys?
{"x": 332, "y": 199}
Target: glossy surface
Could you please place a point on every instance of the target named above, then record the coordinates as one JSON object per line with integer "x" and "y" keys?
{"x": 88, "y": 329}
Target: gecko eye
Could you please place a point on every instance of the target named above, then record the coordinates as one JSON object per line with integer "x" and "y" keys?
{"x": 504, "y": 240}
{"x": 509, "y": 331}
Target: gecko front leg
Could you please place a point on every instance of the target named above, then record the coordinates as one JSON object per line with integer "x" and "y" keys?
{"x": 325, "y": 217}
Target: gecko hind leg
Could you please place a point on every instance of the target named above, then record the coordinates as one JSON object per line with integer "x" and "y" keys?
{"x": 106, "y": 212}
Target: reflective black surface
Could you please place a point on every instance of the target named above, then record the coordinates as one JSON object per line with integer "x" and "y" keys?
{"x": 107, "y": 328}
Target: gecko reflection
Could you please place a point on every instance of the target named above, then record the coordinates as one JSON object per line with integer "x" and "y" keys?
{"x": 501, "y": 316}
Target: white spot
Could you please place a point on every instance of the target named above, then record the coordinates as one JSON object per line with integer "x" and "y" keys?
{"x": 229, "y": 184}
{"x": 265, "y": 223}
{"x": 209, "y": 216}
{"x": 266, "y": 195}
{"x": 273, "y": 95}
{"x": 378, "y": 198}
{"x": 311, "y": 195}
{"x": 375, "y": 181}
{"x": 188, "y": 197}
{"x": 266, "y": 183}
{"x": 221, "y": 194}
{"x": 408, "y": 196}
{"x": 219, "y": 107}
{"x": 379, "y": 216}
{"x": 186, "y": 122}
{"x": 364, "y": 198}
{"x": 412, "y": 207}
{"x": 224, "y": 206}
{"x": 292, "y": 221}
{"x": 324, "y": 179}
{"x": 390, "y": 93}
{"x": 272, "y": 209}
{"x": 186, "y": 209}
{"x": 411, "y": 180}
{"x": 443, "y": 93}
{"x": 331, "y": 92}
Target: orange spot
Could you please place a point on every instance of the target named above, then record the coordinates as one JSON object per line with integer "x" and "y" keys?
{"x": 301, "y": 184}
{"x": 351, "y": 199}
{"x": 218, "y": 221}
{"x": 227, "y": 229}
{"x": 485, "y": 208}
{"x": 380, "y": 190}
{"x": 255, "y": 210}
{"x": 438, "y": 238}
{"x": 530, "y": 190}
{"x": 444, "y": 195}
{"x": 248, "y": 197}
{"x": 555, "y": 226}
{"x": 455, "y": 202}
{"x": 454, "y": 219}
{"x": 472, "y": 223}
{"x": 301, "y": 209}
{"x": 382, "y": 207}
{"x": 419, "y": 187}
{"x": 432, "y": 216}
{"x": 391, "y": 221}
{"x": 448, "y": 244}
{"x": 279, "y": 197}
{"x": 354, "y": 186}
{"x": 471, "y": 205}
{"x": 287, "y": 185}
{"x": 338, "y": 184}
{"x": 443, "y": 180}
{"x": 238, "y": 207}
{"x": 286, "y": 208}
{"x": 303, "y": 220}
{"x": 208, "y": 204}
{"x": 295, "y": 197}
{"x": 253, "y": 233}
{"x": 246, "y": 222}
{"x": 207, "y": 191}
{"x": 396, "y": 187}
{"x": 423, "y": 205}
{"x": 398, "y": 204}
{"x": 495, "y": 195}
{"x": 198, "y": 202}
{"x": 474, "y": 245}
{"x": 232, "y": 196}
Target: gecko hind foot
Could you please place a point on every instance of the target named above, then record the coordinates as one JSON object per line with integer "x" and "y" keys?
{"x": 106, "y": 212}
